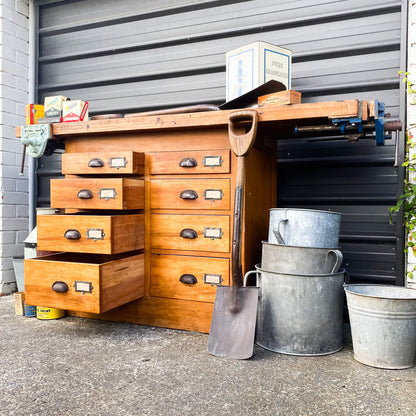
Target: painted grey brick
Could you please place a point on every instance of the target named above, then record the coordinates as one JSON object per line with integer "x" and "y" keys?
{"x": 22, "y": 185}
{"x": 10, "y": 250}
{"x": 15, "y": 198}
{"x": 7, "y": 237}
{"x": 22, "y": 7}
{"x": 7, "y": 211}
{"x": 22, "y": 211}
{"x": 15, "y": 224}
{"x": 21, "y": 236}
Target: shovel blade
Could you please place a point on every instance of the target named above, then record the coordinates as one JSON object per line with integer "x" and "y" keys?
{"x": 233, "y": 322}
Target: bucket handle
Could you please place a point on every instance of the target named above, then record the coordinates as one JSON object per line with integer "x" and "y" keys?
{"x": 278, "y": 232}
{"x": 338, "y": 259}
{"x": 247, "y": 275}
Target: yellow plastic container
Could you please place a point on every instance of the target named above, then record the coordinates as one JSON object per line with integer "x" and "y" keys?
{"x": 43, "y": 312}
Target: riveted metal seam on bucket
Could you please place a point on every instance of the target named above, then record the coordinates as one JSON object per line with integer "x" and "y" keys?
{"x": 300, "y": 314}
{"x": 383, "y": 325}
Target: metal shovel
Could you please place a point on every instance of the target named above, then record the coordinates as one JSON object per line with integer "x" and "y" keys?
{"x": 235, "y": 309}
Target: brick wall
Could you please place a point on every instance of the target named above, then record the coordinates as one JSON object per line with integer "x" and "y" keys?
{"x": 14, "y": 61}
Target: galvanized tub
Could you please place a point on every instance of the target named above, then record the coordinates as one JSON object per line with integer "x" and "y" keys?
{"x": 304, "y": 227}
{"x": 295, "y": 259}
{"x": 383, "y": 325}
{"x": 299, "y": 314}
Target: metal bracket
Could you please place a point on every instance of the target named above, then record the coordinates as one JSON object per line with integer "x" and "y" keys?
{"x": 343, "y": 122}
{"x": 35, "y": 138}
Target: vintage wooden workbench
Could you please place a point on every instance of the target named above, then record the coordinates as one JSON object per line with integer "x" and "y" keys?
{"x": 148, "y": 205}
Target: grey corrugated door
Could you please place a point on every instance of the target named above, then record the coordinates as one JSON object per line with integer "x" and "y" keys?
{"x": 132, "y": 55}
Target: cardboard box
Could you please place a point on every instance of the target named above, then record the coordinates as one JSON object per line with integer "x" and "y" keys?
{"x": 254, "y": 64}
{"x": 280, "y": 98}
{"x": 19, "y": 303}
{"x": 53, "y": 105}
{"x": 34, "y": 112}
{"x": 75, "y": 110}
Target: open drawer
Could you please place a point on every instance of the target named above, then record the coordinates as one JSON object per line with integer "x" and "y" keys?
{"x": 84, "y": 282}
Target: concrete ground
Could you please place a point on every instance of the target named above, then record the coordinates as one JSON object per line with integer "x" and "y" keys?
{"x": 79, "y": 367}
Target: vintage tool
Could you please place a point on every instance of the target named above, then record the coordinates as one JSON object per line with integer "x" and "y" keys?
{"x": 234, "y": 317}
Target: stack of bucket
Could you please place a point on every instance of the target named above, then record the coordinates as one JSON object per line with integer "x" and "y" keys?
{"x": 300, "y": 310}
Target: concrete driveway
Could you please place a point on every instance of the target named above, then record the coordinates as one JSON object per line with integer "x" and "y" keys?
{"x": 79, "y": 367}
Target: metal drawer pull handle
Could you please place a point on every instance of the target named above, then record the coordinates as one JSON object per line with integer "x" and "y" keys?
{"x": 72, "y": 234}
{"x": 60, "y": 287}
{"x": 188, "y": 279}
{"x": 188, "y": 233}
{"x": 96, "y": 163}
{"x": 188, "y": 194}
{"x": 85, "y": 194}
{"x": 188, "y": 162}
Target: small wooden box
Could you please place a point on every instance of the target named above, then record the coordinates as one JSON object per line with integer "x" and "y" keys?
{"x": 95, "y": 283}
{"x": 97, "y": 193}
{"x": 19, "y": 303}
{"x": 101, "y": 234}
{"x": 280, "y": 98}
{"x": 115, "y": 163}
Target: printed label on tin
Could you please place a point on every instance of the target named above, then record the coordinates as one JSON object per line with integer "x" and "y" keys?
{"x": 107, "y": 193}
{"x": 118, "y": 162}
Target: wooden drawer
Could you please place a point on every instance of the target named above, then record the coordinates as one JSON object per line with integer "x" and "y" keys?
{"x": 191, "y": 232}
{"x": 96, "y": 283}
{"x": 115, "y": 163}
{"x": 98, "y": 193}
{"x": 101, "y": 234}
{"x": 196, "y": 161}
{"x": 190, "y": 194}
{"x": 170, "y": 275}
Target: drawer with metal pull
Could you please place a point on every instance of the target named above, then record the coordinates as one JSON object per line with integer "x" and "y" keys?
{"x": 187, "y": 277}
{"x": 101, "y": 234}
{"x": 190, "y": 194}
{"x": 84, "y": 282}
{"x": 97, "y": 193}
{"x": 115, "y": 163}
{"x": 196, "y": 161}
{"x": 190, "y": 232}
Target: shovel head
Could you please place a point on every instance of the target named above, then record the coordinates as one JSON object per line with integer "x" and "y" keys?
{"x": 233, "y": 322}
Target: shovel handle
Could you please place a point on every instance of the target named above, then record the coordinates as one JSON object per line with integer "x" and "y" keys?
{"x": 242, "y": 143}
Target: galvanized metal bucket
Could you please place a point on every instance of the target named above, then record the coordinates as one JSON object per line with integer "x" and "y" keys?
{"x": 299, "y": 314}
{"x": 304, "y": 227}
{"x": 295, "y": 259}
{"x": 383, "y": 325}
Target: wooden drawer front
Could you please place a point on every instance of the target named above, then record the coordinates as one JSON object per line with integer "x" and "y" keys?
{"x": 198, "y": 161}
{"x": 99, "y": 193}
{"x": 107, "y": 234}
{"x": 191, "y": 232}
{"x": 115, "y": 163}
{"x": 170, "y": 275}
{"x": 190, "y": 194}
{"x": 95, "y": 283}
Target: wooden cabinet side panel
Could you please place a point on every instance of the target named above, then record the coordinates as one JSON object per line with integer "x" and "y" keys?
{"x": 128, "y": 233}
{"x": 122, "y": 281}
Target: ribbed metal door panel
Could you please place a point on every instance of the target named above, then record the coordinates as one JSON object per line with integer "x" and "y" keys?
{"x": 156, "y": 54}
